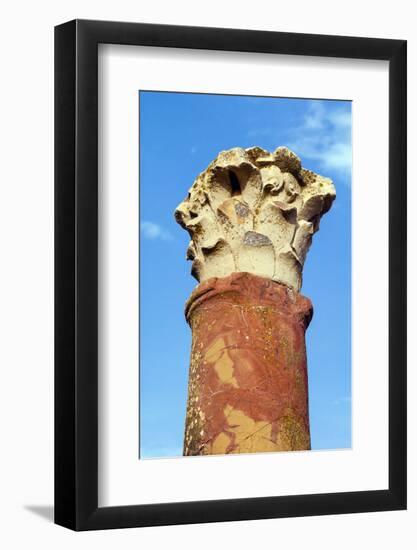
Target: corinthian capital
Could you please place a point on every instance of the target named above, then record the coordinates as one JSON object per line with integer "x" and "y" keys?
{"x": 254, "y": 211}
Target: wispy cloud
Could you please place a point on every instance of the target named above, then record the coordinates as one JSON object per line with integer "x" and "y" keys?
{"x": 154, "y": 231}
{"x": 314, "y": 119}
{"x": 324, "y": 136}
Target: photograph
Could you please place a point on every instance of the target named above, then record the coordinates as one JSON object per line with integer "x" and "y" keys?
{"x": 230, "y": 274}
{"x": 245, "y": 274}
{"x": 208, "y": 266}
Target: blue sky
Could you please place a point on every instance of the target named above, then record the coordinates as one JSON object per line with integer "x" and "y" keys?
{"x": 180, "y": 134}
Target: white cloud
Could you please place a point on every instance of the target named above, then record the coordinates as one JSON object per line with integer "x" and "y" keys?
{"x": 330, "y": 153}
{"x": 315, "y": 117}
{"x": 340, "y": 118}
{"x": 153, "y": 231}
{"x": 339, "y": 156}
{"x": 324, "y": 136}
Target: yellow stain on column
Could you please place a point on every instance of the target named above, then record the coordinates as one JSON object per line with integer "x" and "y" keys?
{"x": 223, "y": 363}
{"x": 243, "y": 434}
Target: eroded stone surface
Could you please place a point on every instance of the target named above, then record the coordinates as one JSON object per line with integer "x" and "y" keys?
{"x": 248, "y": 370}
{"x": 254, "y": 211}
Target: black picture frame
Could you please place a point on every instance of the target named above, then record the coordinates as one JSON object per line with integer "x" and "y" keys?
{"x": 76, "y": 272}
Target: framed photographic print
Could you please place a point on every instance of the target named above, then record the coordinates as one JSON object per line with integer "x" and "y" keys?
{"x": 230, "y": 252}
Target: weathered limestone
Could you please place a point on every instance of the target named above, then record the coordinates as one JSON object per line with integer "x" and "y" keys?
{"x": 251, "y": 216}
{"x": 253, "y": 211}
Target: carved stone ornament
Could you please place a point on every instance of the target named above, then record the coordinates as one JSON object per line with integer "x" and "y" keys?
{"x": 254, "y": 211}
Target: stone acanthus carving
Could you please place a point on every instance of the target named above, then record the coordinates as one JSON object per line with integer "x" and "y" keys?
{"x": 254, "y": 211}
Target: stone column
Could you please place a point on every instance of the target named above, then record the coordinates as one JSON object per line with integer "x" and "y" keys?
{"x": 251, "y": 216}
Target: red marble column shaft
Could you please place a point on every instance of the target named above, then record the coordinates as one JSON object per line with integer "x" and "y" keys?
{"x": 248, "y": 388}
